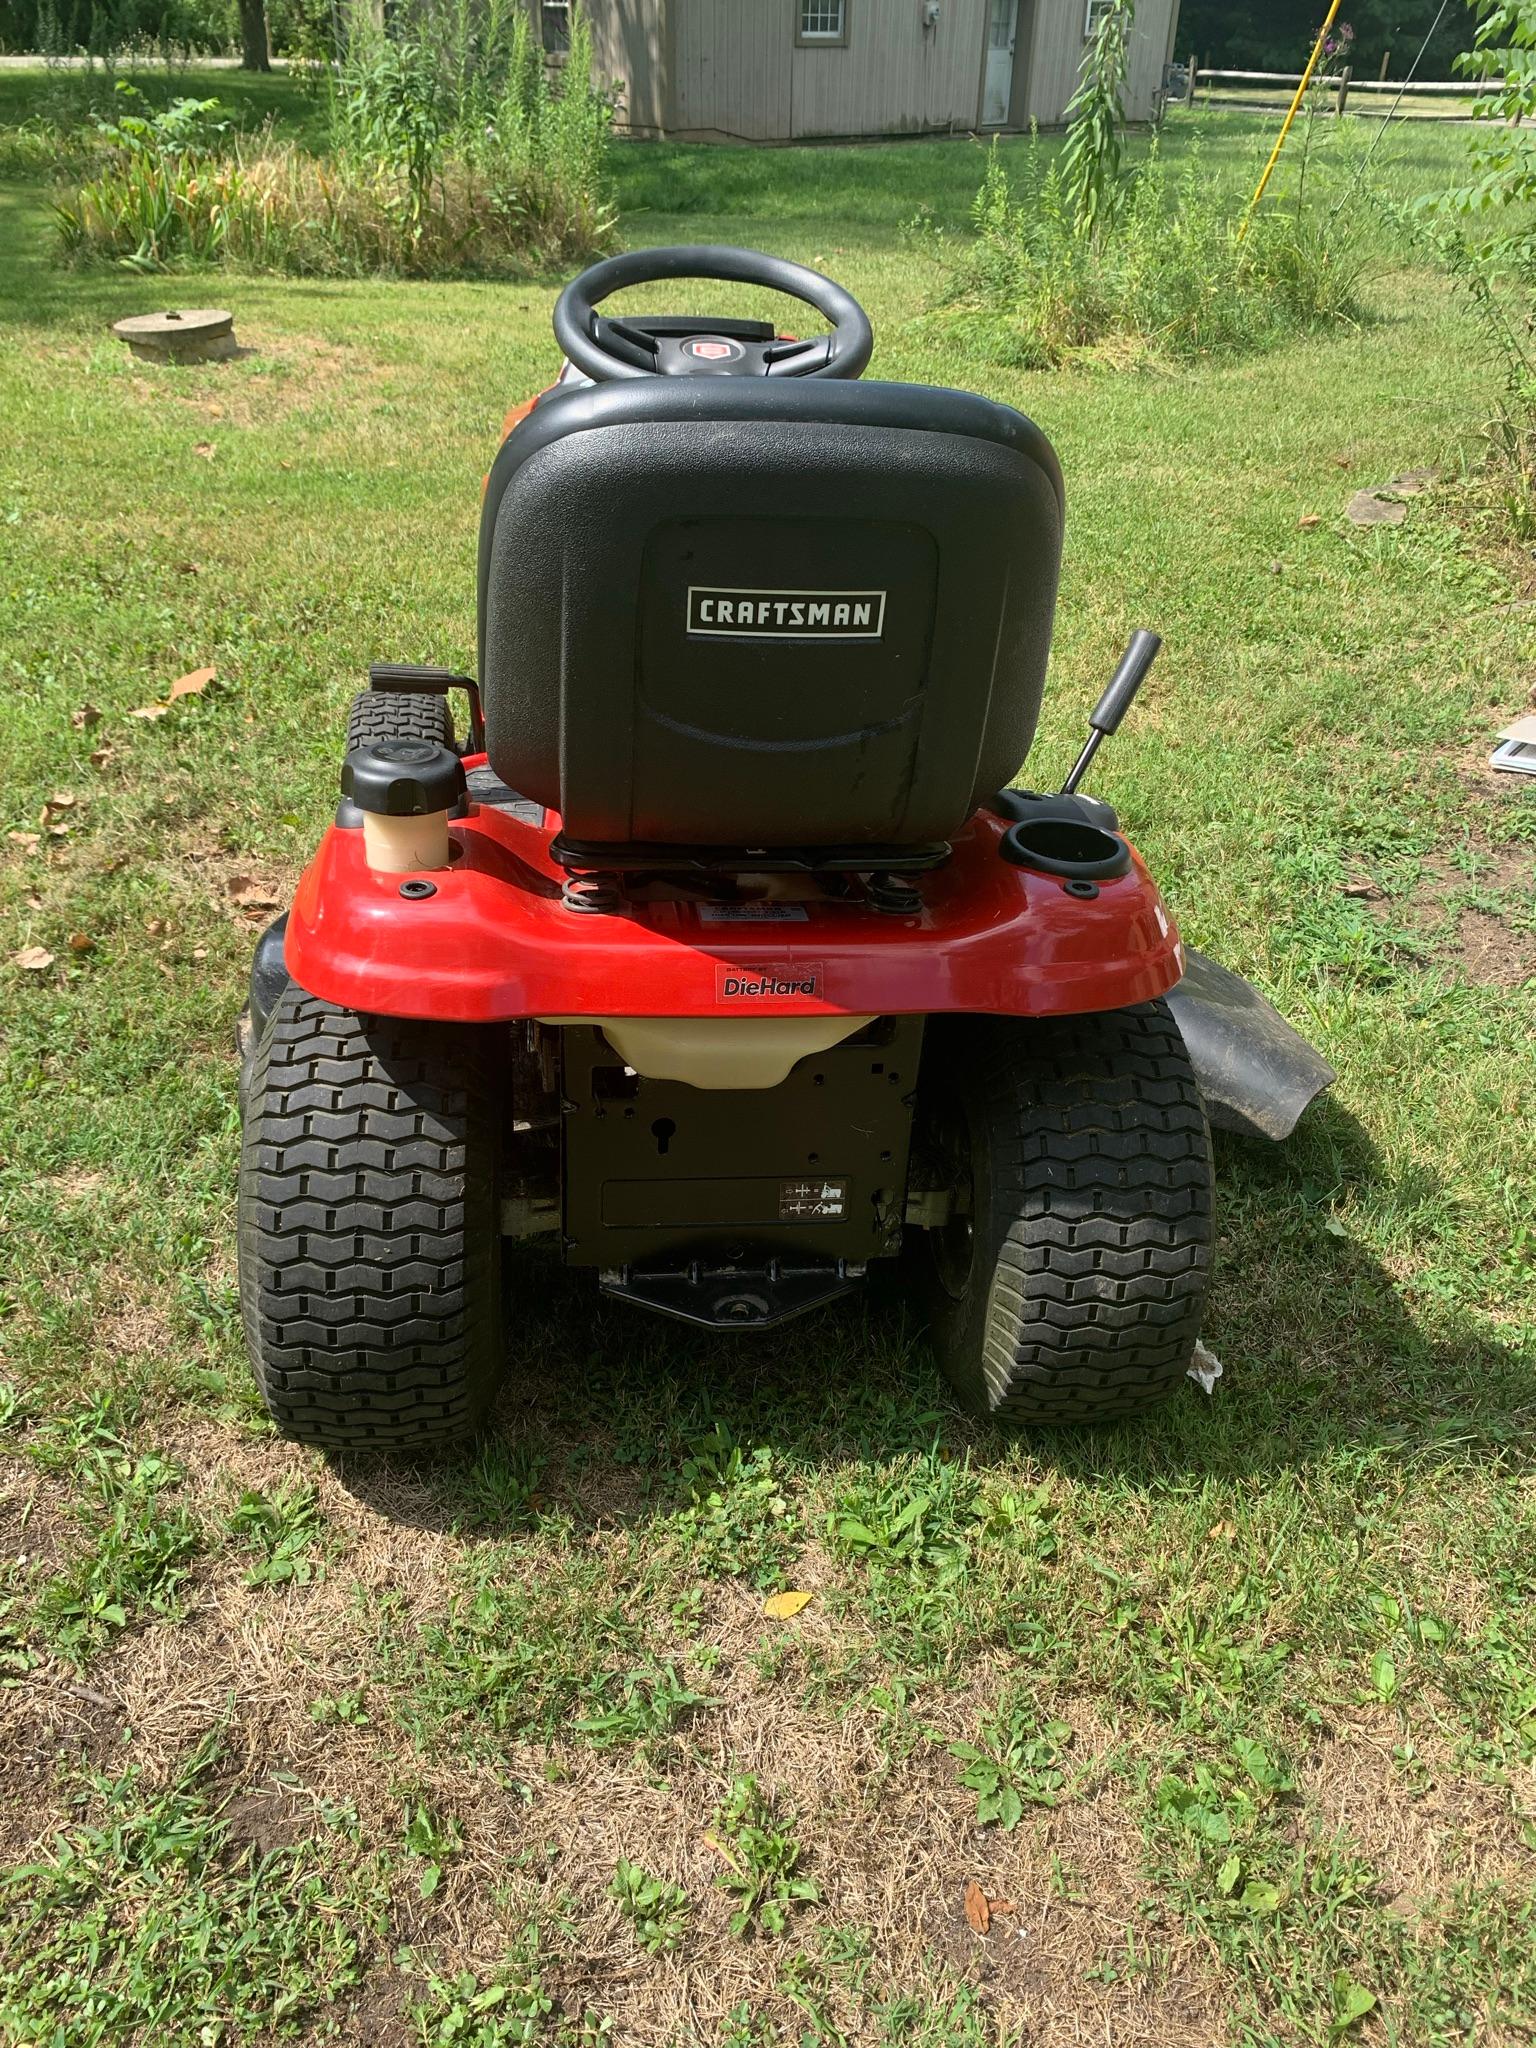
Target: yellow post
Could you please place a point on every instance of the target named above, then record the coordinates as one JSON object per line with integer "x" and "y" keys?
{"x": 1306, "y": 80}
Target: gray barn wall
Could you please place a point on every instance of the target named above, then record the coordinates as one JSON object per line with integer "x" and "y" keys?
{"x": 629, "y": 42}
{"x": 737, "y": 70}
{"x": 731, "y": 68}
{"x": 895, "y": 76}
{"x": 1058, "y": 52}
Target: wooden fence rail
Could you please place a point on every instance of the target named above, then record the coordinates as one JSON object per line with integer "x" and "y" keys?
{"x": 1342, "y": 84}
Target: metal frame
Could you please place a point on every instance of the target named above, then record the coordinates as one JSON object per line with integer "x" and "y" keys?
{"x": 820, "y": 42}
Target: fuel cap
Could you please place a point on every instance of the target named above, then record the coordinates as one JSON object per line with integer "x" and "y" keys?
{"x": 402, "y": 778}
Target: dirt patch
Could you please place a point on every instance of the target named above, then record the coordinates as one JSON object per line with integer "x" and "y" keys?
{"x": 1426, "y": 1826}
{"x": 269, "y": 1814}
{"x": 35, "y": 1528}
{"x": 1477, "y": 915}
{"x": 890, "y": 1840}
{"x": 376, "y": 2015}
{"x": 52, "y": 1726}
{"x": 1491, "y": 952}
{"x": 135, "y": 1329}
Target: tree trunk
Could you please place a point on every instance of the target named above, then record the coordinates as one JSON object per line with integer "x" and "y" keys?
{"x": 255, "y": 55}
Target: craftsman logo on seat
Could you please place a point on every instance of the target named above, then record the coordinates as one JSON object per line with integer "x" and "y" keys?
{"x": 787, "y": 981}
{"x": 721, "y": 613}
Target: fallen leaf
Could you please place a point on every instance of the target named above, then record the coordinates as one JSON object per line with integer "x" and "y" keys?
{"x": 33, "y": 959}
{"x": 81, "y": 942}
{"x": 189, "y": 568}
{"x": 1367, "y": 890}
{"x": 101, "y": 757}
{"x": 150, "y": 711}
{"x": 61, "y": 800}
{"x": 207, "y": 449}
{"x": 1369, "y": 508}
{"x": 1002, "y": 1905}
{"x": 155, "y": 926}
{"x": 978, "y": 1913}
{"x": 27, "y": 841}
{"x": 192, "y": 684}
{"x": 1310, "y": 519}
{"x": 1343, "y": 462}
{"x": 782, "y": 1606}
{"x": 199, "y": 952}
{"x": 85, "y": 716}
{"x": 250, "y": 896}
{"x": 1222, "y": 1532}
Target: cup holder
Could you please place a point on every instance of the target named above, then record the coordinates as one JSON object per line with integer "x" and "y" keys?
{"x": 1061, "y": 846}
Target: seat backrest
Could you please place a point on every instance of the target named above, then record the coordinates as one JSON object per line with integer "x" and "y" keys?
{"x": 768, "y": 613}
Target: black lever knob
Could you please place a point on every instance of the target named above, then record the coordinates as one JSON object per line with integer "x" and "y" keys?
{"x": 1117, "y": 699}
{"x": 1127, "y": 679}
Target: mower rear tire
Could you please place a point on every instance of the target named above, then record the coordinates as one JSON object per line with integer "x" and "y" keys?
{"x": 369, "y": 1240}
{"x": 1069, "y": 1284}
{"x": 398, "y": 715}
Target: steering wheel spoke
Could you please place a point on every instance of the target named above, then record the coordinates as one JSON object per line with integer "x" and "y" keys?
{"x": 799, "y": 358}
{"x": 630, "y": 344}
{"x": 613, "y": 348}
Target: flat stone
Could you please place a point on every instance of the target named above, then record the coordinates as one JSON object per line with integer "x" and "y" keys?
{"x": 1367, "y": 508}
{"x": 200, "y": 334}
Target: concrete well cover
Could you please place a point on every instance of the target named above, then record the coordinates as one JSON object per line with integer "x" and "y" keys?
{"x": 197, "y": 334}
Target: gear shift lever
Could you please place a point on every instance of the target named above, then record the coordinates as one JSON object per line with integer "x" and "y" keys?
{"x": 1106, "y": 715}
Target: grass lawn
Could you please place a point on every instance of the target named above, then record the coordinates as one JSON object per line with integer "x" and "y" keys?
{"x": 1246, "y": 1697}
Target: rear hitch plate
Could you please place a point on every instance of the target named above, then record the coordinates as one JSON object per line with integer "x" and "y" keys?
{"x": 734, "y": 1296}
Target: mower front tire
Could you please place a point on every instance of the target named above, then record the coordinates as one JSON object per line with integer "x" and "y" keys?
{"x": 398, "y": 715}
{"x": 369, "y": 1239}
{"x": 1068, "y": 1284}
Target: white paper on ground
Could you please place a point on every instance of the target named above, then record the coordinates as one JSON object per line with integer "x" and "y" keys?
{"x": 1205, "y": 1367}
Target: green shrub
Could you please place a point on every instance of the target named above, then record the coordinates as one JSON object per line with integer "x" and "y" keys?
{"x": 1164, "y": 275}
{"x": 439, "y": 166}
{"x": 1496, "y": 265}
{"x": 154, "y": 187}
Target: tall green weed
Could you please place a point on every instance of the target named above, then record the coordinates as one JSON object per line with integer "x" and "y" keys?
{"x": 1164, "y": 275}
{"x": 452, "y": 152}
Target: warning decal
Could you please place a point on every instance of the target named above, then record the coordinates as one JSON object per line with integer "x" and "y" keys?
{"x": 813, "y": 1201}
{"x": 753, "y": 913}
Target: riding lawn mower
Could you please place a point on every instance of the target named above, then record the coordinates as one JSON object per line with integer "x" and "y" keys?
{"x": 721, "y": 953}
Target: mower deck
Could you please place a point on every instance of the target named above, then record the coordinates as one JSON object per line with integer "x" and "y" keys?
{"x": 492, "y": 937}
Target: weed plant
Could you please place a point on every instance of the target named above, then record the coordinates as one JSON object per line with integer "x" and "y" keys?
{"x": 1164, "y": 275}
{"x": 438, "y": 166}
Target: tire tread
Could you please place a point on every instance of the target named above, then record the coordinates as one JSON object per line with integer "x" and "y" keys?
{"x": 1094, "y": 1220}
{"x": 398, "y": 715}
{"x": 369, "y": 1248}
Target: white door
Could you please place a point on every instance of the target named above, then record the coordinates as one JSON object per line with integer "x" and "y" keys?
{"x": 997, "y": 87}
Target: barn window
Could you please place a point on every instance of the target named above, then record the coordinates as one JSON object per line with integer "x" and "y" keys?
{"x": 555, "y": 25}
{"x": 1096, "y": 11}
{"x": 823, "y": 21}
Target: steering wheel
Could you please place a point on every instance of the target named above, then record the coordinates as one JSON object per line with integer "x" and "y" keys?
{"x": 609, "y": 349}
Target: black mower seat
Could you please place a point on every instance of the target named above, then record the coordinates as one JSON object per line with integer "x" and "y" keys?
{"x": 766, "y": 613}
